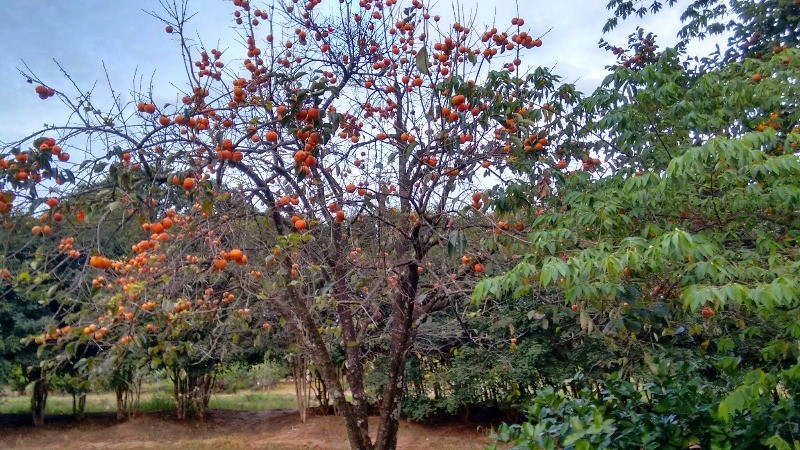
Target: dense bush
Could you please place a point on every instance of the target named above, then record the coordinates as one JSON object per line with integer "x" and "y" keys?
{"x": 677, "y": 408}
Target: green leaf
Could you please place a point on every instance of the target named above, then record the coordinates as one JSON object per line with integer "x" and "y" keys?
{"x": 423, "y": 65}
{"x": 456, "y": 244}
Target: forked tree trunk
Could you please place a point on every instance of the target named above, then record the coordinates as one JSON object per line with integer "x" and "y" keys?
{"x": 305, "y": 329}
{"x": 350, "y": 342}
{"x": 407, "y": 248}
{"x": 302, "y": 324}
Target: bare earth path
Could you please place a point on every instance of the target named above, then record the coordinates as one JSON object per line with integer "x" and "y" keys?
{"x": 224, "y": 429}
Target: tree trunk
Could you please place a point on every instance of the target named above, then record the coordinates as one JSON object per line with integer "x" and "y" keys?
{"x": 301, "y": 384}
{"x": 350, "y": 341}
{"x": 78, "y": 405}
{"x": 199, "y": 393}
{"x": 179, "y": 384}
{"x": 303, "y": 326}
{"x": 355, "y": 370}
{"x": 39, "y": 397}
{"x": 402, "y": 317}
{"x": 120, "y": 390}
{"x": 305, "y": 330}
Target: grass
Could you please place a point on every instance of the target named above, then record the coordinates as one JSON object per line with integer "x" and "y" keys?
{"x": 253, "y": 401}
{"x": 157, "y": 400}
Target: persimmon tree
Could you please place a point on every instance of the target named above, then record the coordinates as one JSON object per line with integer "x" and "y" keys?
{"x": 345, "y": 124}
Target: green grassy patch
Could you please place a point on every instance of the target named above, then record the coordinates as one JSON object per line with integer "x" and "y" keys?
{"x": 154, "y": 401}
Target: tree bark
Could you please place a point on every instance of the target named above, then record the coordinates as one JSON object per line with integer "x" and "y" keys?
{"x": 120, "y": 391}
{"x": 179, "y": 391}
{"x": 355, "y": 370}
{"x": 39, "y": 396}
{"x": 78, "y": 405}
{"x": 305, "y": 329}
{"x": 402, "y": 318}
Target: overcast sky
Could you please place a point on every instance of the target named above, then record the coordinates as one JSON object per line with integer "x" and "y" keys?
{"x": 82, "y": 34}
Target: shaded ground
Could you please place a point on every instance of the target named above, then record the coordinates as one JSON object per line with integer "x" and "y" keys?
{"x": 225, "y": 429}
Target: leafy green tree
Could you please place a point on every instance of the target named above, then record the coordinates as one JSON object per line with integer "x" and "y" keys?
{"x": 679, "y": 234}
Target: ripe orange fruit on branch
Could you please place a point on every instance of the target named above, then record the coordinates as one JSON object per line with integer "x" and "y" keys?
{"x": 188, "y": 183}
{"x": 100, "y": 262}
{"x": 300, "y": 157}
{"x": 300, "y": 224}
{"x": 478, "y": 268}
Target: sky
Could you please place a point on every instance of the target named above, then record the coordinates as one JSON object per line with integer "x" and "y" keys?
{"x": 83, "y": 35}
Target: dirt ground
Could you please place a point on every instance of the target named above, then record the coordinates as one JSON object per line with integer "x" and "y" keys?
{"x": 224, "y": 429}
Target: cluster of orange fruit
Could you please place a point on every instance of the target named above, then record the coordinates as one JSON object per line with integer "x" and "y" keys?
{"x": 299, "y": 223}
{"x": 476, "y": 200}
{"x": 149, "y": 108}
{"x": 287, "y": 200}
{"x": 236, "y": 255}
{"x": 100, "y": 262}
{"x": 337, "y": 211}
{"x": 44, "y": 92}
{"x": 24, "y": 166}
{"x": 226, "y": 151}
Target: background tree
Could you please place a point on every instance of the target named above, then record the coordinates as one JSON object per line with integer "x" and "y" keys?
{"x": 683, "y": 246}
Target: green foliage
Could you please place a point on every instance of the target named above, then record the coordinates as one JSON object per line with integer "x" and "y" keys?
{"x": 240, "y": 375}
{"x": 675, "y": 408}
{"x": 19, "y": 319}
{"x": 683, "y": 241}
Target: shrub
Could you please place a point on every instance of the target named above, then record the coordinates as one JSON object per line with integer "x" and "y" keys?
{"x": 677, "y": 409}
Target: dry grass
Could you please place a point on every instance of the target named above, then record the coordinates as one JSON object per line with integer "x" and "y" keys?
{"x": 245, "y": 420}
{"x": 225, "y": 429}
